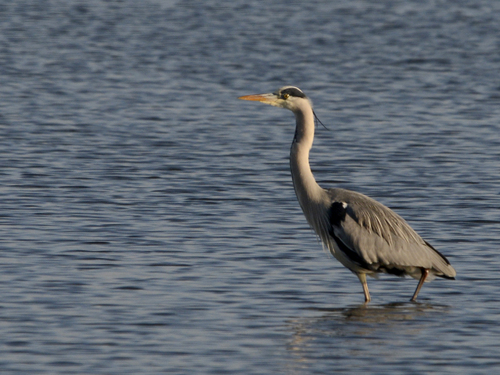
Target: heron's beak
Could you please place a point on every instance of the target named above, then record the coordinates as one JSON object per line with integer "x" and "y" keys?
{"x": 264, "y": 98}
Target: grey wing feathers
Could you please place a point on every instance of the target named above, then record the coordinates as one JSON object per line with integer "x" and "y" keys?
{"x": 380, "y": 236}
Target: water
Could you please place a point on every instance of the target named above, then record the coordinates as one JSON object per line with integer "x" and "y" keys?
{"x": 148, "y": 221}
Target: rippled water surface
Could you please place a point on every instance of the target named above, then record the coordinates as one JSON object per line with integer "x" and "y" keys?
{"x": 148, "y": 222}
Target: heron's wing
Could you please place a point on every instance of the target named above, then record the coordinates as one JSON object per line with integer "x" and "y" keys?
{"x": 373, "y": 236}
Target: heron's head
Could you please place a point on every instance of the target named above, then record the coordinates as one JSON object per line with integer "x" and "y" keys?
{"x": 289, "y": 97}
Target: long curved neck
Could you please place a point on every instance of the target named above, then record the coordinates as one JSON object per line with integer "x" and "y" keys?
{"x": 305, "y": 185}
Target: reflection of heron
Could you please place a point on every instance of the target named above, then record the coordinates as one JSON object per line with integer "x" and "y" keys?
{"x": 364, "y": 235}
{"x": 361, "y": 320}
{"x": 363, "y": 337}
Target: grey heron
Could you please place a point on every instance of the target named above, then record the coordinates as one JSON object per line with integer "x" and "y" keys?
{"x": 364, "y": 235}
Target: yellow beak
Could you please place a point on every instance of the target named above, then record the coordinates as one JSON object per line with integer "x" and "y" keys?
{"x": 256, "y": 98}
{"x": 264, "y": 98}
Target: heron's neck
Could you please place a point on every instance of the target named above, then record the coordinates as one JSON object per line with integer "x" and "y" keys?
{"x": 305, "y": 185}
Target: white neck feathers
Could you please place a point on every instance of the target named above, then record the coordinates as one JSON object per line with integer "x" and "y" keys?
{"x": 305, "y": 185}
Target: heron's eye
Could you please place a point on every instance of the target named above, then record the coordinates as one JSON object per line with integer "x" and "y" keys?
{"x": 286, "y": 96}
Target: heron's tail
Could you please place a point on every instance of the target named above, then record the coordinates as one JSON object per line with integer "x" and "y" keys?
{"x": 442, "y": 268}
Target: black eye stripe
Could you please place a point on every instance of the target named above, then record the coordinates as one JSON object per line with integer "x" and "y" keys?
{"x": 292, "y": 91}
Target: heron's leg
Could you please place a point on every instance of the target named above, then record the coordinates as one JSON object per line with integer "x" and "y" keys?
{"x": 362, "y": 278}
{"x": 425, "y": 273}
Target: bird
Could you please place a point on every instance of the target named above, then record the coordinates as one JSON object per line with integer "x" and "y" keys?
{"x": 364, "y": 235}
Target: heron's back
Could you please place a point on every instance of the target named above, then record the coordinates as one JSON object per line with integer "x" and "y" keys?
{"x": 379, "y": 238}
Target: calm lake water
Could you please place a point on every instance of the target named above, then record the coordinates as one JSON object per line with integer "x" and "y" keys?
{"x": 148, "y": 222}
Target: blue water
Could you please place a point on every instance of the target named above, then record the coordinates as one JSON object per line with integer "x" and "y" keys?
{"x": 148, "y": 223}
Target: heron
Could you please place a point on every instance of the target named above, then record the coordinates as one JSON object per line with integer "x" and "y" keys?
{"x": 365, "y": 236}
